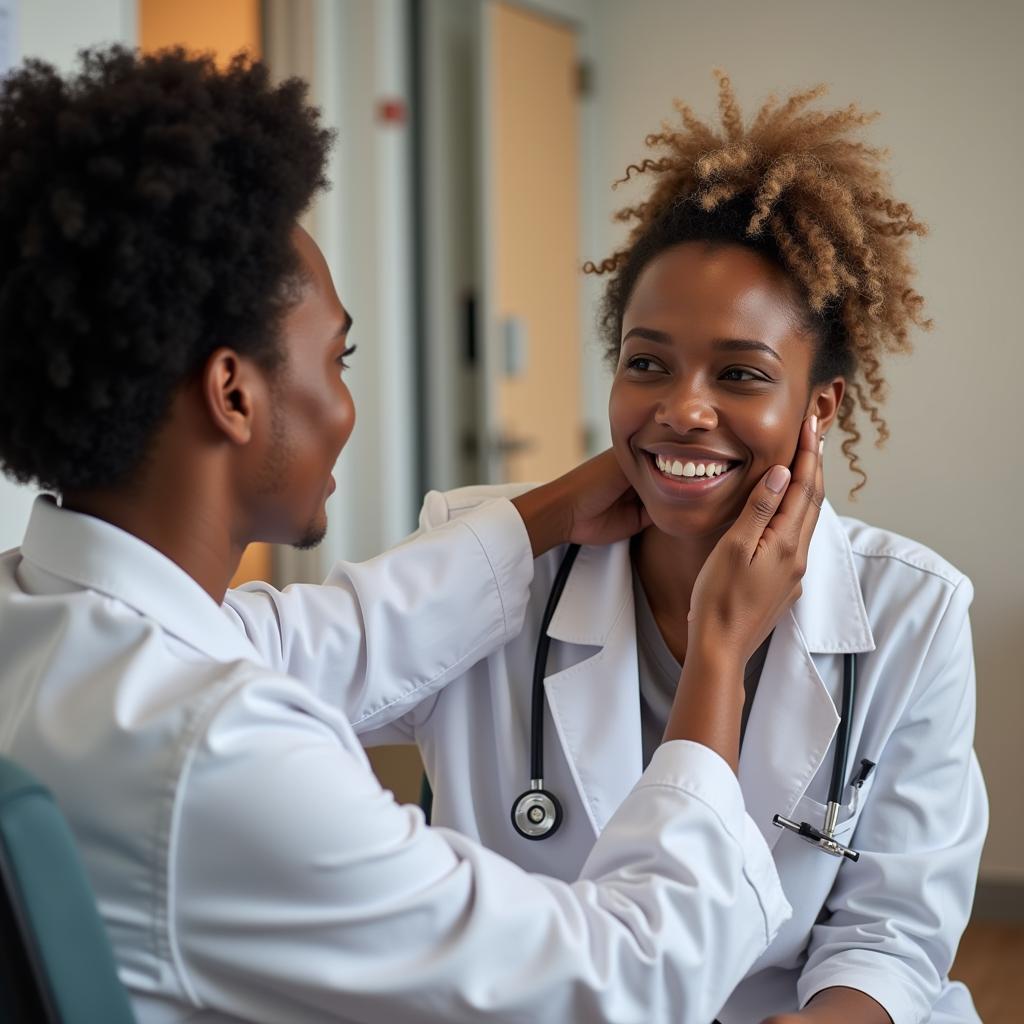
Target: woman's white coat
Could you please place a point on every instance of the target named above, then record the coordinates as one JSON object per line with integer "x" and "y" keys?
{"x": 889, "y": 924}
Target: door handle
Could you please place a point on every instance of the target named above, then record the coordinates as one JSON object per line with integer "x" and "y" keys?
{"x": 505, "y": 445}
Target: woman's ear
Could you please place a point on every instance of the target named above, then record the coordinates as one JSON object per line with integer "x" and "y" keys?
{"x": 825, "y": 402}
{"x": 231, "y": 386}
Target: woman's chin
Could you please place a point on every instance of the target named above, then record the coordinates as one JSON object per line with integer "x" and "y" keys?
{"x": 688, "y": 524}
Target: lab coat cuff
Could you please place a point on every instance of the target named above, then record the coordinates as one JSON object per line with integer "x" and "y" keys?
{"x": 502, "y": 535}
{"x": 700, "y": 772}
{"x": 904, "y": 1004}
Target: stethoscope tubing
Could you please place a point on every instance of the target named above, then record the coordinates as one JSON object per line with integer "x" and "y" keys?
{"x": 839, "y": 760}
{"x": 541, "y": 802}
{"x": 540, "y": 664}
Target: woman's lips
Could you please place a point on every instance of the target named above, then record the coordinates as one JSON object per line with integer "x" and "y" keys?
{"x": 682, "y": 488}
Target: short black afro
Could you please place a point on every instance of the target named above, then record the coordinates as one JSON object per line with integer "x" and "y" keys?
{"x": 146, "y": 209}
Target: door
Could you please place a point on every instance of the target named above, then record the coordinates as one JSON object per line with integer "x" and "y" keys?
{"x": 532, "y": 403}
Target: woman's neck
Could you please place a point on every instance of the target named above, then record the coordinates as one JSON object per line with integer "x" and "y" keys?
{"x": 668, "y": 567}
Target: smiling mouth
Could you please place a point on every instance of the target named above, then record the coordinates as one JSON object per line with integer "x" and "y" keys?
{"x": 690, "y": 472}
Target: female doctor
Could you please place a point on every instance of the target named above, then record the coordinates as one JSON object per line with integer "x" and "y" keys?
{"x": 765, "y": 277}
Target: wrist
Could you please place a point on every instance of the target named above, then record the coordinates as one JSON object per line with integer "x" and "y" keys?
{"x": 546, "y": 517}
{"x": 706, "y": 659}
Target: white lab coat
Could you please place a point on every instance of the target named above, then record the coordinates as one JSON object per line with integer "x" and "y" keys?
{"x": 889, "y": 924}
{"x": 247, "y": 863}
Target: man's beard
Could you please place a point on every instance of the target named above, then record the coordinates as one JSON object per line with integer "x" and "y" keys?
{"x": 313, "y": 535}
{"x": 272, "y": 478}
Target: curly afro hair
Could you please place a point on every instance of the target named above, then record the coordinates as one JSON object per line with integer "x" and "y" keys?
{"x": 799, "y": 187}
{"x": 146, "y": 211}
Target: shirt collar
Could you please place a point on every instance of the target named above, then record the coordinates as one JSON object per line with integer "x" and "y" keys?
{"x": 99, "y": 556}
{"x": 830, "y": 611}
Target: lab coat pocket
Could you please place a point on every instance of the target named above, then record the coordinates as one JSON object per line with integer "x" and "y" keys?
{"x": 813, "y": 811}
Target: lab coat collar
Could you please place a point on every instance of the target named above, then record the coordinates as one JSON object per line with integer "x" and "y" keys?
{"x": 830, "y": 613}
{"x": 96, "y": 555}
{"x": 595, "y": 703}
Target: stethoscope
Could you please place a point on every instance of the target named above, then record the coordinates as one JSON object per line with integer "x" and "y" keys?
{"x": 537, "y": 814}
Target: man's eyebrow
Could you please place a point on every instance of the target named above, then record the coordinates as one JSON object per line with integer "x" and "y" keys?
{"x": 744, "y": 345}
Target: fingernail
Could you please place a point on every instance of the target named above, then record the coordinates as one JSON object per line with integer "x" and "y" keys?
{"x": 777, "y": 479}
{"x": 814, "y": 424}
{"x": 821, "y": 447}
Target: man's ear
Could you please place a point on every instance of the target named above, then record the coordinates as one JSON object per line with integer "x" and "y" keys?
{"x": 231, "y": 390}
{"x": 825, "y": 401}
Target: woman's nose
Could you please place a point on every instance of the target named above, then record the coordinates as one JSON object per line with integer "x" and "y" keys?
{"x": 686, "y": 408}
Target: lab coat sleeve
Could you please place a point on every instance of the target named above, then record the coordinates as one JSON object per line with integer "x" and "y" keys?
{"x": 896, "y": 916}
{"x": 301, "y": 891}
{"x": 380, "y": 636}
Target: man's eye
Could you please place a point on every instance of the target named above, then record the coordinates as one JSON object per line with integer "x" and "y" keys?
{"x": 344, "y": 355}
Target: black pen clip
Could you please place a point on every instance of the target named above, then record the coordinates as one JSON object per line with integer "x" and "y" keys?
{"x": 862, "y": 773}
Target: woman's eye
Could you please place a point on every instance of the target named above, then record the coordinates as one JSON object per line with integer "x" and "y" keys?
{"x": 738, "y": 374}
{"x": 642, "y": 364}
{"x": 344, "y": 355}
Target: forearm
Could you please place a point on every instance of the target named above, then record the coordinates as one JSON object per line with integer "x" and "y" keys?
{"x": 708, "y": 703}
{"x": 451, "y": 595}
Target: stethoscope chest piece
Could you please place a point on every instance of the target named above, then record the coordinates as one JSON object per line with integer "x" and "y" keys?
{"x": 536, "y": 814}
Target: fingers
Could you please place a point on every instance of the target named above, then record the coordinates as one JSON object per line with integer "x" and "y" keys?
{"x": 798, "y": 513}
{"x": 761, "y": 506}
{"x": 810, "y": 521}
{"x": 629, "y": 511}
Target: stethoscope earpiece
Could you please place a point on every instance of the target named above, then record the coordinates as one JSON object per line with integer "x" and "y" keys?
{"x": 536, "y": 814}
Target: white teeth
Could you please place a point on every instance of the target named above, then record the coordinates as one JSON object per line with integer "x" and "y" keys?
{"x": 689, "y": 470}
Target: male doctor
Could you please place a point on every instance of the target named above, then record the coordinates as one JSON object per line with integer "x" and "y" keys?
{"x": 171, "y": 358}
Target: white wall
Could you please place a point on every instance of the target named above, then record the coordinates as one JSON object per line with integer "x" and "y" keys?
{"x": 55, "y": 31}
{"x": 948, "y": 78}
{"x": 363, "y": 227}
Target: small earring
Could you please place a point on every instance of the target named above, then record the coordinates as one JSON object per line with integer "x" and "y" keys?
{"x": 821, "y": 446}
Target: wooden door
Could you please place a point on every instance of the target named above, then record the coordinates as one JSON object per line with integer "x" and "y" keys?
{"x": 531, "y": 245}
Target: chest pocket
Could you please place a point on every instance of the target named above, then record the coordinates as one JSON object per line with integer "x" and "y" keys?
{"x": 813, "y": 811}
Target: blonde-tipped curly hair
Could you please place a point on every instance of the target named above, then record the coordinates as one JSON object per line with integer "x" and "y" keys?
{"x": 802, "y": 189}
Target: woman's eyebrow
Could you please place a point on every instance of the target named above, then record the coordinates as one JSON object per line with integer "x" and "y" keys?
{"x": 649, "y": 334}
{"x": 719, "y": 344}
{"x": 744, "y": 345}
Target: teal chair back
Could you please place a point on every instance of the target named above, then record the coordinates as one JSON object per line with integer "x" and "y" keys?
{"x": 57, "y": 965}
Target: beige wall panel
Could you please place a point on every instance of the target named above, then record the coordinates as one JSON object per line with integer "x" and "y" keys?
{"x": 948, "y": 78}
